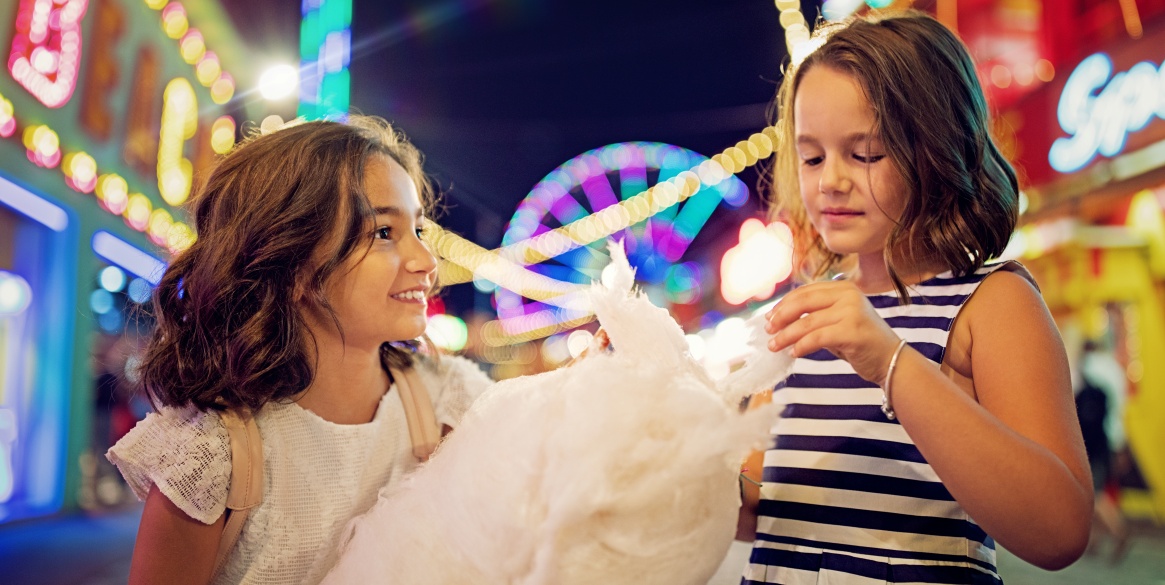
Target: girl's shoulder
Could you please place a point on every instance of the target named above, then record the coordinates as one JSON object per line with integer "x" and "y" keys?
{"x": 1005, "y": 281}
{"x": 1012, "y": 267}
{"x": 454, "y": 383}
{"x": 183, "y": 451}
{"x": 1006, "y": 303}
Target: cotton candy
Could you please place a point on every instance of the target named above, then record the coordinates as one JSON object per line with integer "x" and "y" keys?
{"x": 622, "y": 468}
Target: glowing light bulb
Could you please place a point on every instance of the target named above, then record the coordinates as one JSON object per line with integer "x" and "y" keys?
{"x": 222, "y": 135}
{"x": 208, "y": 69}
{"x": 192, "y": 46}
{"x": 279, "y": 82}
{"x": 223, "y": 89}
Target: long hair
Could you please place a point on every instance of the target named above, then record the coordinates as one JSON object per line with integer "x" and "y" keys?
{"x": 229, "y": 330}
{"x": 931, "y": 114}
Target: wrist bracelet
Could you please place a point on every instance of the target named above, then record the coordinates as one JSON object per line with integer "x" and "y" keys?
{"x": 887, "y": 407}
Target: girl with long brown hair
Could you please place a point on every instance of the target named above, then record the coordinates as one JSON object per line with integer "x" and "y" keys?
{"x": 307, "y": 283}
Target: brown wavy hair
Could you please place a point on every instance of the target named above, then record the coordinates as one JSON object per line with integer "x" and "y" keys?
{"x": 229, "y": 333}
{"x": 931, "y": 114}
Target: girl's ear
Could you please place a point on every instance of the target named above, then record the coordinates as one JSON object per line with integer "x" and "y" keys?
{"x": 300, "y": 291}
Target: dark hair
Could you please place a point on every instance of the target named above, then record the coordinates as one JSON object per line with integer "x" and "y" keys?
{"x": 931, "y": 114}
{"x": 275, "y": 219}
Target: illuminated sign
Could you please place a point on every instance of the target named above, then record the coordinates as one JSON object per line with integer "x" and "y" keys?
{"x": 1098, "y": 113}
{"x": 46, "y": 50}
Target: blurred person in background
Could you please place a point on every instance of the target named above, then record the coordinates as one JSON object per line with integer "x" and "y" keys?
{"x": 1100, "y": 406}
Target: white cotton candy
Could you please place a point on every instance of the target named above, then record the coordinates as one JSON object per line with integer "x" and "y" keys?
{"x": 622, "y": 468}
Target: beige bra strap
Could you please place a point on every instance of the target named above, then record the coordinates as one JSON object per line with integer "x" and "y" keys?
{"x": 246, "y": 491}
{"x": 422, "y": 422}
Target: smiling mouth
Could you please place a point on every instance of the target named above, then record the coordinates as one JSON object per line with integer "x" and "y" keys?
{"x": 410, "y": 296}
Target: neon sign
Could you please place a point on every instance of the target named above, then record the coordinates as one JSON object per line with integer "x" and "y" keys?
{"x": 1099, "y": 113}
{"x": 46, "y": 49}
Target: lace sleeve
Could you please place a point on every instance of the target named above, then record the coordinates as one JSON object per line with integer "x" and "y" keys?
{"x": 186, "y": 453}
{"x": 455, "y": 383}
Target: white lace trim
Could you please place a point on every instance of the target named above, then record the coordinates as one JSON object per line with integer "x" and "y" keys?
{"x": 186, "y": 453}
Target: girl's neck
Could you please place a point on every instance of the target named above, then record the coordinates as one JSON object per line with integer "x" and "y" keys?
{"x": 347, "y": 383}
{"x": 873, "y": 276}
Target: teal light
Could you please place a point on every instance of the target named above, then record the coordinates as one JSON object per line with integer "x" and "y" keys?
{"x": 101, "y": 301}
{"x": 112, "y": 279}
{"x": 140, "y": 290}
{"x": 15, "y": 294}
{"x": 325, "y": 47}
{"x": 879, "y": 3}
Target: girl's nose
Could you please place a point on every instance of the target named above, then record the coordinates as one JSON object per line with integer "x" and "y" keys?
{"x": 420, "y": 258}
{"x": 834, "y": 178}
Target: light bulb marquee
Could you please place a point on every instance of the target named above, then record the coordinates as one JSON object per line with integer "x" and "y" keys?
{"x": 45, "y": 58}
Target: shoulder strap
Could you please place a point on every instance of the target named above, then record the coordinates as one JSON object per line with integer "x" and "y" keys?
{"x": 422, "y": 422}
{"x": 246, "y": 491}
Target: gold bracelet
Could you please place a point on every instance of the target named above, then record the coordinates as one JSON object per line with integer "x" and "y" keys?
{"x": 887, "y": 408}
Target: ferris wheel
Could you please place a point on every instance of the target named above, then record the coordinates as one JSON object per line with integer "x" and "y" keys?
{"x": 593, "y": 181}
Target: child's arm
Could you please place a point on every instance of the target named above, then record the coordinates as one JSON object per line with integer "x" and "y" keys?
{"x": 172, "y": 547}
{"x": 753, "y": 474}
{"x": 1014, "y": 458}
{"x": 753, "y": 471}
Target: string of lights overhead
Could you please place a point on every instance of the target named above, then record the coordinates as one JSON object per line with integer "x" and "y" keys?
{"x": 463, "y": 260}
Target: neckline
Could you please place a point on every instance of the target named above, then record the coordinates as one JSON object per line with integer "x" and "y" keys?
{"x": 947, "y": 274}
{"x": 319, "y": 420}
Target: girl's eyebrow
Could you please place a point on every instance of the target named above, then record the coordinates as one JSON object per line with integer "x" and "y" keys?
{"x": 388, "y": 210}
{"x": 848, "y": 139}
{"x": 394, "y": 211}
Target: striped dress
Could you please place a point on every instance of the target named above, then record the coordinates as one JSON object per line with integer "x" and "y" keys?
{"x": 846, "y": 496}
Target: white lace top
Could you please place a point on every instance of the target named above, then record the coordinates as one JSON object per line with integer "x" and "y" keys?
{"x": 318, "y": 475}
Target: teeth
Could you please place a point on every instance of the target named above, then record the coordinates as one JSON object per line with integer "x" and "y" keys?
{"x": 410, "y": 295}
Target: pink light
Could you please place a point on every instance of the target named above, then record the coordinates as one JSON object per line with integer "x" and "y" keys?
{"x": 48, "y": 31}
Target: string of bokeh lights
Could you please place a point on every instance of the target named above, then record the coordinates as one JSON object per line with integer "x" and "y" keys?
{"x": 463, "y": 260}
{"x": 611, "y": 219}
{"x": 601, "y": 177}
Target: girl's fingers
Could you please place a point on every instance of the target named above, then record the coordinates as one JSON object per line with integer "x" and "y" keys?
{"x": 813, "y": 341}
{"x": 793, "y": 307}
{"x": 807, "y": 299}
{"x": 601, "y": 339}
{"x": 791, "y": 334}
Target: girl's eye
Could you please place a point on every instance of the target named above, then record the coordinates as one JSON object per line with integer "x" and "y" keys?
{"x": 382, "y": 233}
{"x": 869, "y": 159}
{"x": 811, "y": 162}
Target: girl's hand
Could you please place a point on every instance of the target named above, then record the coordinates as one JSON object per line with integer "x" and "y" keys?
{"x": 837, "y": 317}
{"x": 601, "y": 342}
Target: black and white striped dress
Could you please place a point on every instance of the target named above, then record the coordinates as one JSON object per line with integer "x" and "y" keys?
{"x": 846, "y": 496}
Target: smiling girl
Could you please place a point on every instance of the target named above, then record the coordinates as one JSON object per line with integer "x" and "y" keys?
{"x": 308, "y": 281}
{"x": 929, "y": 412}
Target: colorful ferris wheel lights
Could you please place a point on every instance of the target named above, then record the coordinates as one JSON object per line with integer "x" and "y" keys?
{"x": 556, "y": 290}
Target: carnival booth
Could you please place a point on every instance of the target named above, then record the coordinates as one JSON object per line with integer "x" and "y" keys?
{"x": 109, "y": 109}
{"x": 1090, "y": 146}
